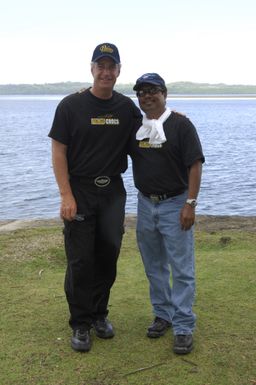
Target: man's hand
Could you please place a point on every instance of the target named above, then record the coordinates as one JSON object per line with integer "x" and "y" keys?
{"x": 187, "y": 217}
{"x": 68, "y": 207}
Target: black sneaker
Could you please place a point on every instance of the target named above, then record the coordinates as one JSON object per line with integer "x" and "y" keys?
{"x": 183, "y": 344}
{"x": 158, "y": 328}
{"x": 103, "y": 328}
{"x": 81, "y": 340}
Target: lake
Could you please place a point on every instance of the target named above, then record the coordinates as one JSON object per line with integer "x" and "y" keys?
{"x": 226, "y": 126}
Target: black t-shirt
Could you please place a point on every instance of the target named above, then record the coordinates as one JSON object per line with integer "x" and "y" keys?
{"x": 159, "y": 169}
{"x": 96, "y": 132}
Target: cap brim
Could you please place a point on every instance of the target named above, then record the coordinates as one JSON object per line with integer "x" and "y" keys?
{"x": 106, "y": 55}
{"x": 138, "y": 85}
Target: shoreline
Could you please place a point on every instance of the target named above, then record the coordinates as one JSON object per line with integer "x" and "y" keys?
{"x": 208, "y": 223}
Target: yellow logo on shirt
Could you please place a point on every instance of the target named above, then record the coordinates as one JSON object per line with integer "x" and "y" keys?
{"x": 146, "y": 144}
{"x": 97, "y": 121}
{"x": 104, "y": 121}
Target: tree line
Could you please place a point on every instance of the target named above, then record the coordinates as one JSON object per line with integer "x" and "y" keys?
{"x": 176, "y": 88}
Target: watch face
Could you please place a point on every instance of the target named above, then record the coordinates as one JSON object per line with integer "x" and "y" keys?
{"x": 191, "y": 202}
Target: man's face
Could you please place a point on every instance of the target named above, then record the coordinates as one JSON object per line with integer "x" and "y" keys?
{"x": 151, "y": 98}
{"x": 105, "y": 72}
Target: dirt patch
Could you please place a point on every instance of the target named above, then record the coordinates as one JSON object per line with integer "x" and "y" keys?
{"x": 212, "y": 223}
{"x": 207, "y": 223}
{"x": 7, "y": 226}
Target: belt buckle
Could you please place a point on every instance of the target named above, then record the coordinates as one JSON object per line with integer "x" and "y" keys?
{"x": 102, "y": 181}
{"x": 154, "y": 198}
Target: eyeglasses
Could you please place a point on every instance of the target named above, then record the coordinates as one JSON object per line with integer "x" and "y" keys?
{"x": 150, "y": 91}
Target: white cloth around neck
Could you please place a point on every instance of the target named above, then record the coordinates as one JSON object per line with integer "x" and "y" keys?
{"x": 153, "y": 128}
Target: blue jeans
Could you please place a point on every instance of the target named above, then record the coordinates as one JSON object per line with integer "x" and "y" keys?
{"x": 166, "y": 250}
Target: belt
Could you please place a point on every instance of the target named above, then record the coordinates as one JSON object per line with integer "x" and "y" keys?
{"x": 161, "y": 197}
{"x": 99, "y": 181}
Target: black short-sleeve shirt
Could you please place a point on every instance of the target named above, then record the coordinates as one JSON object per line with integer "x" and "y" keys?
{"x": 96, "y": 132}
{"x": 163, "y": 168}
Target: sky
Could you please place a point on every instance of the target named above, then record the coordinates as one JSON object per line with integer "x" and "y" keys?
{"x": 205, "y": 41}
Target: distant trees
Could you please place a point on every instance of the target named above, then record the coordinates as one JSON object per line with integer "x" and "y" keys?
{"x": 177, "y": 88}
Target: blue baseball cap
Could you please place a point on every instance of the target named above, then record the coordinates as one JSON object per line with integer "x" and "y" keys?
{"x": 106, "y": 50}
{"x": 150, "y": 78}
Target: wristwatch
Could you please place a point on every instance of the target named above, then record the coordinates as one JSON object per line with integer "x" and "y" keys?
{"x": 191, "y": 202}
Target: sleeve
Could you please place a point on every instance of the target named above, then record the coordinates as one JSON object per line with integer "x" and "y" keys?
{"x": 60, "y": 129}
{"x": 137, "y": 121}
{"x": 137, "y": 117}
{"x": 190, "y": 142}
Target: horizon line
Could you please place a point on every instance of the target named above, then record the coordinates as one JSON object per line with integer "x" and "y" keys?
{"x": 130, "y": 83}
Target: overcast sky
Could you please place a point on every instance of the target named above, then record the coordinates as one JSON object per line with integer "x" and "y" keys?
{"x": 50, "y": 41}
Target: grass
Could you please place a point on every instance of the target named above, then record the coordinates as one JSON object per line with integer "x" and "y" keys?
{"x": 35, "y": 336}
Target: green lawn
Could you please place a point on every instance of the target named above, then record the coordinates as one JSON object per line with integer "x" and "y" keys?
{"x": 35, "y": 336}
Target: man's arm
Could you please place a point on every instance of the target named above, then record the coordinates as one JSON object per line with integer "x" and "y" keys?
{"x": 187, "y": 215}
{"x": 68, "y": 206}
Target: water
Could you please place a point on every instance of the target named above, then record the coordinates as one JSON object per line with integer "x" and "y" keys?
{"x": 226, "y": 128}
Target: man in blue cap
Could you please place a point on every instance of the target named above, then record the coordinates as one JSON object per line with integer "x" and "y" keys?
{"x": 89, "y": 135}
{"x": 167, "y": 164}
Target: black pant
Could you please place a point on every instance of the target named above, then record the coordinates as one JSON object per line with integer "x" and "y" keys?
{"x": 92, "y": 247}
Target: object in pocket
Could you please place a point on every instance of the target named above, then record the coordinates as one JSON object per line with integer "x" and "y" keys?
{"x": 79, "y": 217}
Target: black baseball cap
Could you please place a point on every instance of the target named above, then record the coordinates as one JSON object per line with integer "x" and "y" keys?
{"x": 150, "y": 78}
{"x": 106, "y": 50}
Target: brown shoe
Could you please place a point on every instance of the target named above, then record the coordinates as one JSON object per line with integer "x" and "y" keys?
{"x": 158, "y": 328}
{"x": 183, "y": 344}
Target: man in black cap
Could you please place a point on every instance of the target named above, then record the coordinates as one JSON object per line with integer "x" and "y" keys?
{"x": 89, "y": 135}
{"x": 167, "y": 163}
